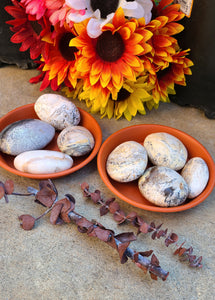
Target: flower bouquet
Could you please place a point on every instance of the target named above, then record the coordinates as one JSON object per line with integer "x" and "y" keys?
{"x": 118, "y": 56}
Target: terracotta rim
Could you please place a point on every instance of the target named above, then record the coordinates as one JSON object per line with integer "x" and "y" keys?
{"x": 18, "y": 113}
{"x": 124, "y": 135}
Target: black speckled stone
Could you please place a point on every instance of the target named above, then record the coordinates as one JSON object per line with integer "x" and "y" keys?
{"x": 25, "y": 135}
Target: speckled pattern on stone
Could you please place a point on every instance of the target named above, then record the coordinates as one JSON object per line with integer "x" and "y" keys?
{"x": 60, "y": 263}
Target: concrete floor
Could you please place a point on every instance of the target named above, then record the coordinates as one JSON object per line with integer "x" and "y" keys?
{"x": 60, "y": 263}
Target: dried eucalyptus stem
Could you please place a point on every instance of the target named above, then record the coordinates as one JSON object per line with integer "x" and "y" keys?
{"x": 110, "y": 205}
{"x": 63, "y": 211}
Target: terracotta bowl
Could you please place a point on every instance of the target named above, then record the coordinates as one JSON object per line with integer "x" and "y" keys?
{"x": 27, "y": 112}
{"x": 129, "y": 192}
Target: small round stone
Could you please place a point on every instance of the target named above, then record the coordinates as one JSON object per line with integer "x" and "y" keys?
{"x": 165, "y": 150}
{"x": 196, "y": 175}
{"x": 163, "y": 186}
{"x": 127, "y": 162}
{"x": 57, "y": 111}
{"x": 42, "y": 162}
{"x": 75, "y": 141}
{"x": 25, "y": 135}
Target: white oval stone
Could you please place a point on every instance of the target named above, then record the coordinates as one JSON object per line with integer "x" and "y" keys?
{"x": 75, "y": 141}
{"x": 25, "y": 135}
{"x": 165, "y": 150}
{"x": 196, "y": 175}
{"x": 127, "y": 162}
{"x": 57, "y": 111}
{"x": 42, "y": 162}
{"x": 163, "y": 186}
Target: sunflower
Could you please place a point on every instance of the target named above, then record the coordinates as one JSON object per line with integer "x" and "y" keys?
{"x": 101, "y": 12}
{"x": 164, "y": 27}
{"x": 164, "y": 80}
{"x": 127, "y": 102}
{"x": 60, "y": 65}
{"x": 28, "y": 30}
{"x": 106, "y": 61}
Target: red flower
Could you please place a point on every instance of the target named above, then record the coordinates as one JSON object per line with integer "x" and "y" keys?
{"x": 28, "y": 30}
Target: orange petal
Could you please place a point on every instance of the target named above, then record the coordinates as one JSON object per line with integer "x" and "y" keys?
{"x": 119, "y": 18}
{"x": 105, "y": 75}
{"x": 96, "y": 67}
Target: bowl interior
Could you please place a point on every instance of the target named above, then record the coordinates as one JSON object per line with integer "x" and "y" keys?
{"x": 129, "y": 192}
{"x": 27, "y": 112}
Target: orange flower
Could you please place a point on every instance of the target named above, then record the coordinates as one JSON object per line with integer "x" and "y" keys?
{"x": 60, "y": 64}
{"x": 165, "y": 80}
{"x": 163, "y": 27}
{"x": 112, "y": 57}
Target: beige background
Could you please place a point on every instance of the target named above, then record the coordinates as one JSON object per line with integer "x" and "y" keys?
{"x": 58, "y": 262}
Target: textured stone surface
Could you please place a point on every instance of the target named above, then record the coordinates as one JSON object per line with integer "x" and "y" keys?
{"x": 25, "y": 135}
{"x": 57, "y": 111}
{"x": 196, "y": 175}
{"x": 165, "y": 150}
{"x": 127, "y": 162}
{"x": 59, "y": 263}
{"x": 163, "y": 186}
{"x": 75, "y": 141}
{"x": 42, "y": 162}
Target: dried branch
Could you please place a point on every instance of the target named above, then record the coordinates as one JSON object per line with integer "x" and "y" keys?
{"x": 110, "y": 205}
{"x": 63, "y": 211}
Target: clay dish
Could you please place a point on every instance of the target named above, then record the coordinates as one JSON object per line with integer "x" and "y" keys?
{"x": 129, "y": 192}
{"x": 27, "y": 112}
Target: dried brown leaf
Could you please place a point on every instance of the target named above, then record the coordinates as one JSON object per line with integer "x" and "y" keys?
{"x": 144, "y": 228}
{"x": 2, "y": 192}
{"x": 121, "y": 250}
{"x": 46, "y": 196}
{"x": 9, "y": 186}
{"x": 55, "y": 213}
{"x": 27, "y": 222}
{"x": 146, "y": 253}
{"x": 155, "y": 261}
{"x": 103, "y": 210}
{"x": 132, "y": 216}
{"x": 96, "y": 196}
{"x": 84, "y": 186}
{"x": 126, "y": 237}
{"x": 113, "y": 207}
{"x": 119, "y": 217}
{"x": 102, "y": 234}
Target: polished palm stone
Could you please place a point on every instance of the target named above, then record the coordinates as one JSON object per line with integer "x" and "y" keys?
{"x": 127, "y": 162}
{"x": 196, "y": 175}
{"x": 163, "y": 186}
{"x": 165, "y": 150}
{"x": 42, "y": 162}
{"x": 25, "y": 135}
{"x": 57, "y": 111}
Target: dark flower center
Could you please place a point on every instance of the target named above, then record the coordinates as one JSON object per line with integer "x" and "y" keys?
{"x": 122, "y": 95}
{"x": 67, "y": 52}
{"x": 110, "y": 47}
{"x": 37, "y": 28}
{"x": 106, "y": 7}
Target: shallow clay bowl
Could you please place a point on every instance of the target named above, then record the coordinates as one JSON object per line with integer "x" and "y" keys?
{"x": 129, "y": 192}
{"x": 27, "y": 112}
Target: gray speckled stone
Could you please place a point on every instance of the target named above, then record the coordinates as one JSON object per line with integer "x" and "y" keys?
{"x": 57, "y": 111}
{"x": 163, "y": 186}
{"x": 165, "y": 150}
{"x": 42, "y": 162}
{"x": 127, "y": 162}
{"x": 25, "y": 135}
{"x": 75, "y": 141}
{"x": 196, "y": 175}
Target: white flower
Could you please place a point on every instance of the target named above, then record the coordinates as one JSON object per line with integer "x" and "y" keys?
{"x": 132, "y": 9}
